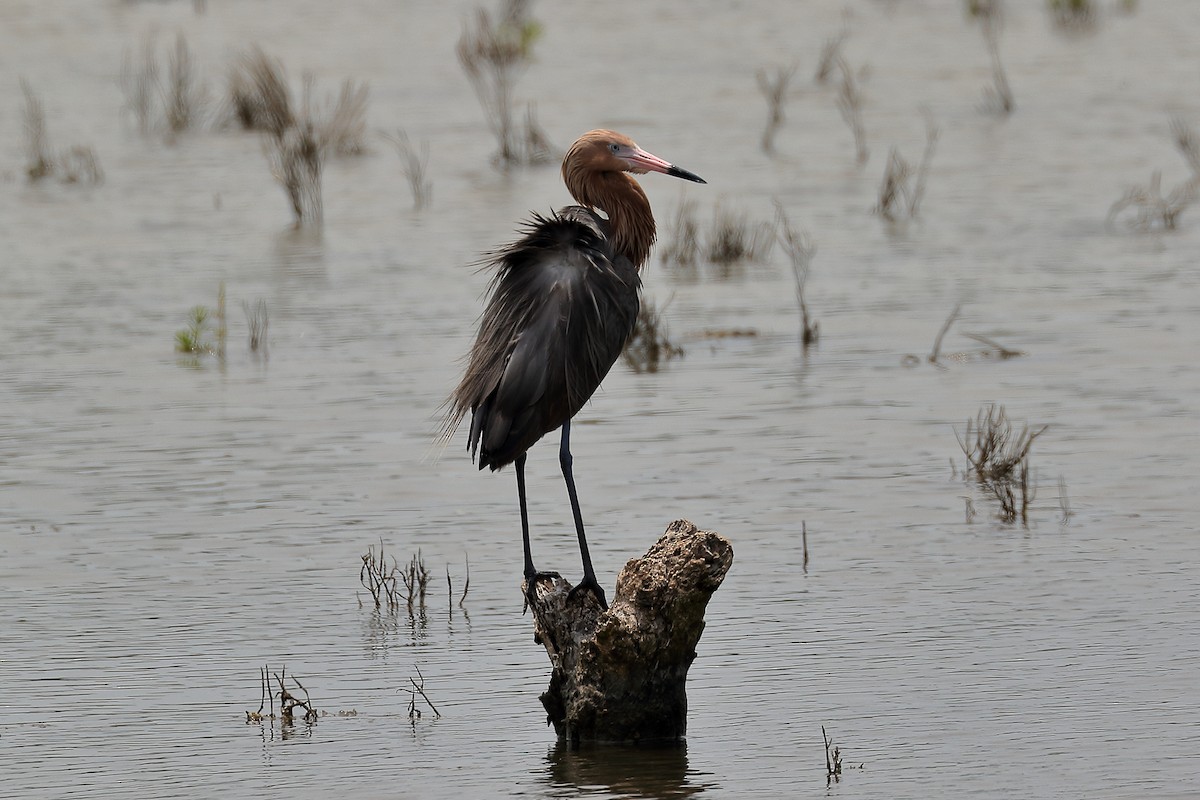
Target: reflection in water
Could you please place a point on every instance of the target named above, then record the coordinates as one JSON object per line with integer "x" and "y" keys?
{"x": 638, "y": 771}
{"x": 300, "y": 255}
{"x": 382, "y": 628}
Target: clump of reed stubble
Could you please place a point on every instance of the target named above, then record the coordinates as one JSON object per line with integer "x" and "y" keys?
{"x": 998, "y": 98}
{"x": 732, "y": 239}
{"x": 382, "y": 578}
{"x": 258, "y": 321}
{"x": 288, "y": 702}
{"x": 849, "y": 103}
{"x": 76, "y": 164}
{"x": 649, "y": 345}
{"x": 800, "y": 249}
{"x": 140, "y": 85}
{"x": 729, "y": 241}
{"x": 493, "y": 52}
{"x": 173, "y": 99}
{"x": 1154, "y": 211}
{"x": 903, "y": 187}
{"x": 379, "y": 577}
{"x": 1073, "y": 16}
{"x": 183, "y": 95}
{"x": 774, "y": 88}
{"x": 831, "y": 55}
{"x": 998, "y": 458}
{"x": 833, "y": 760}
{"x": 298, "y": 137}
{"x": 414, "y": 162}
{"x": 683, "y": 245}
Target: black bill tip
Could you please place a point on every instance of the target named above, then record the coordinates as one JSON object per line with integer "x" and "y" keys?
{"x": 676, "y": 172}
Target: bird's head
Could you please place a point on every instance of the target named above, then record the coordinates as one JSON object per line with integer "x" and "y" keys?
{"x": 602, "y": 151}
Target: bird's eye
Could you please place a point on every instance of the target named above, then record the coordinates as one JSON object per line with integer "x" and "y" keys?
{"x": 614, "y": 147}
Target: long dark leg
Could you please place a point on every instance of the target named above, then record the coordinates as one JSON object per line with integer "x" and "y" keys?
{"x": 531, "y": 574}
{"x": 520, "y": 465}
{"x": 565, "y": 460}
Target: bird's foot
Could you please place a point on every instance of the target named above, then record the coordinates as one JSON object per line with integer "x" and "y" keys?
{"x": 531, "y": 582}
{"x": 590, "y": 584}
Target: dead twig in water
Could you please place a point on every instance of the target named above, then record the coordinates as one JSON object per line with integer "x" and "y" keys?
{"x": 416, "y": 581}
{"x": 1064, "y": 503}
{"x": 418, "y": 688}
{"x": 378, "y": 578}
{"x": 288, "y": 702}
{"x": 1001, "y": 351}
{"x": 937, "y": 342}
{"x": 833, "y": 759}
{"x": 804, "y": 543}
{"x": 467, "y": 584}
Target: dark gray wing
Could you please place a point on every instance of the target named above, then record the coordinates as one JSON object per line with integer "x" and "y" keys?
{"x": 561, "y": 309}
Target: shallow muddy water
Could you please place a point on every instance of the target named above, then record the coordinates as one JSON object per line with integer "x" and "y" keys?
{"x": 167, "y": 528}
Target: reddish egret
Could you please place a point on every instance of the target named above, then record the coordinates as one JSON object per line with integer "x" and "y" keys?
{"x": 563, "y": 302}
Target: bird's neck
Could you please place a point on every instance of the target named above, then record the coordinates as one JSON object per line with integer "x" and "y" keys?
{"x": 630, "y": 220}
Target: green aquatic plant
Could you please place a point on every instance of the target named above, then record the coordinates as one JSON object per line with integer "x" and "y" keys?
{"x": 192, "y": 339}
{"x": 202, "y": 321}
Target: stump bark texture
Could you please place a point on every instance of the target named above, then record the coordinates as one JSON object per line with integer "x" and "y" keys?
{"x": 619, "y": 675}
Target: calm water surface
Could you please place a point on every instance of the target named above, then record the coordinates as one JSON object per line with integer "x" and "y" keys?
{"x": 166, "y": 529}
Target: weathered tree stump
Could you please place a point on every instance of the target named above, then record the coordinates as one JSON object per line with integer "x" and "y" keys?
{"x": 618, "y": 675}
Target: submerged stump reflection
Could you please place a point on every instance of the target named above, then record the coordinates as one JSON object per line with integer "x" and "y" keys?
{"x": 619, "y": 675}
